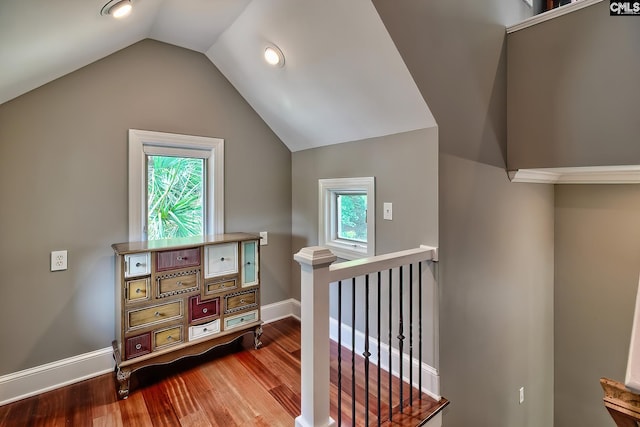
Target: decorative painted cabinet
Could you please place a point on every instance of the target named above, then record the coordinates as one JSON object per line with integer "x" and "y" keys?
{"x": 182, "y": 297}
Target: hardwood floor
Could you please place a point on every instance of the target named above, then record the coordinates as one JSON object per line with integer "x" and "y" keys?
{"x": 232, "y": 386}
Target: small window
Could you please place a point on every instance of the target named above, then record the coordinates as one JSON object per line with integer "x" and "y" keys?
{"x": 175, "y": 197}
{"x": 347, "y": 216}
{"x": 176, "y": 185}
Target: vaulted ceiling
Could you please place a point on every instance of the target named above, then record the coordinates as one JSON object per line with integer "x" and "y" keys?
{"x": 343, "y": 78}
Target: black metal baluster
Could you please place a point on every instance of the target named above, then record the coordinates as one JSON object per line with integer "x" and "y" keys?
{"x": 401, "y": 338}
{"x": 410, "y": 334}
{"x": 353, "y": 351}
{"x": 420, "y": 328}
{"x": 366, "y": 353}
{"x": 379, "y": 295}
{"x": 340, "y": 353}
{"x": 390, "y": 346}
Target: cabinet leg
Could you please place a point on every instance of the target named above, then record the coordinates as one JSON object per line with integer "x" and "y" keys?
{"x": 257, "y": 334}
{"x": 123, "y": 378}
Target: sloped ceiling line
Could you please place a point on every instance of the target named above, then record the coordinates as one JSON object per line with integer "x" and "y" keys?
{"x": 343, "y": 80}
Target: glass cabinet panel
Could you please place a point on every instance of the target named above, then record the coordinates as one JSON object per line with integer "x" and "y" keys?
{"x": 250, "y": 263}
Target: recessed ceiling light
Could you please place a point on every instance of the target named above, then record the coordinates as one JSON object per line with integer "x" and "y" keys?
{"x": 274, "y": 56}
{"x": 117, "y": 8}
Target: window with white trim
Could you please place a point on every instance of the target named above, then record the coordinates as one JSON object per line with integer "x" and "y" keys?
{"x": 347, "y": 216}
{"x": 176, "y": 185}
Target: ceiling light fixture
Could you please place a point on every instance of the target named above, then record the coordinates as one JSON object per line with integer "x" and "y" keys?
{"x": 274, "y": 56}
{"x": 117, "y": 8}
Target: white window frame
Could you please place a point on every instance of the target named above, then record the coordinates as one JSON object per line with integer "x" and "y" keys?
{"x": 327, "y": 227}
{"x": 143, "y": 143}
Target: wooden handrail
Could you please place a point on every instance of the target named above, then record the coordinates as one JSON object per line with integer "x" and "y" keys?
{"x": 623, "y": 404}
{"x": 360, "y": 267}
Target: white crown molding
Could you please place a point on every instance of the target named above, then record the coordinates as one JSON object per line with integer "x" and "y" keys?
{"x": 551, "y": 14}
{"x": 627, "y": 174}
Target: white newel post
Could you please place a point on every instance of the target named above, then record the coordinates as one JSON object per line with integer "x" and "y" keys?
{"x": 314, "y": 295}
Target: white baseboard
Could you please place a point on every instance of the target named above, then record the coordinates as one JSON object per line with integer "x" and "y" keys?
{"x": 280, "y": 310}
{"x": 40, "y": 379}
{"x": 50, "y": 376}
{"x": 430, "y": 375}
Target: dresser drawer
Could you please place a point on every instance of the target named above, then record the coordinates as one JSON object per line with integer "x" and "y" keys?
{"x": 171, "y": 260}
{"x": 166, "y": 337}
{"x": 137, "y": 264}
{"x": 220, "y": 259}
{"x": 153, "y": 315}
{"x": 240, "y": 319}
{"x": 204, "y": 330}
{"x": 240, "y": 301}
{"x": 137, "y": 290}
{"x": 178, "y": 283}
{"x": 137, "y": 346}
{"x": 220, "y": 286}
{"x": 199, "y": 310}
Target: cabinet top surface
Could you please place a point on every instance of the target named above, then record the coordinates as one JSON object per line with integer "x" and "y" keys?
{"x": 183, "y": 242}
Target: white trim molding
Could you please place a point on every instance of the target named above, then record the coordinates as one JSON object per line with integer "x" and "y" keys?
{"x": 143, "y": 142}
{"x": 280, "y": 310}
{"x": 328, "y": 190}
{"x": 40, "y": 379}
{"x": 551, "y": 14}
{"x": 430, "y": 375}
{"x": 624, "y": 174}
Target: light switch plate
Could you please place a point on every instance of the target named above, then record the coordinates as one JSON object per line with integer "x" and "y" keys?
{"x": 388, "y": 211}
{"x": 264, "y": 238}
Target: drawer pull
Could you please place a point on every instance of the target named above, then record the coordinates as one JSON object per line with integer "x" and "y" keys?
{"x": 157, "y": 314}
{"x": 242, "y": 301}
{"x": 169, "y": 338}
{"x": 139, "y": 264}
{"x": 222, "y": 259}
{"x": 248, "y": 262}
{"x": 138, "y": 346}
{"x": 204, "y": 310}
{"x": 138, "y": 291}
{"x": 179, "y": 283}
{"x": 204, "y": 330}
{"x": 181, "y": 258}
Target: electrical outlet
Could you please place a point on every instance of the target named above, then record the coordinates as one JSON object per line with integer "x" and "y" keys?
{"x": 58, "y": 260}
{"x": 264, "y": 238}
{"x": 521, "y": 395}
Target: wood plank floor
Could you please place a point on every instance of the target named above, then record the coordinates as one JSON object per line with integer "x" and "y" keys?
{"x": 232, "y": 386}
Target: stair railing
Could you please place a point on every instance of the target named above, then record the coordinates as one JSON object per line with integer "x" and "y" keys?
{"x": 318, "y": 272}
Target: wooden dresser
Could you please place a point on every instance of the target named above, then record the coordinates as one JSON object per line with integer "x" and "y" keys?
{"x": 182, "y": 297}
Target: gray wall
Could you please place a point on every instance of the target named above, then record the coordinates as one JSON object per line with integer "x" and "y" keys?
{"x": 573, "y": 91}
{"x": 496, "y": 238}
{"x": 406, "y": 170}
{"x": 405, "y": 167}
{"x": 63, "y": 178}
{"x": 597, "y": 240}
